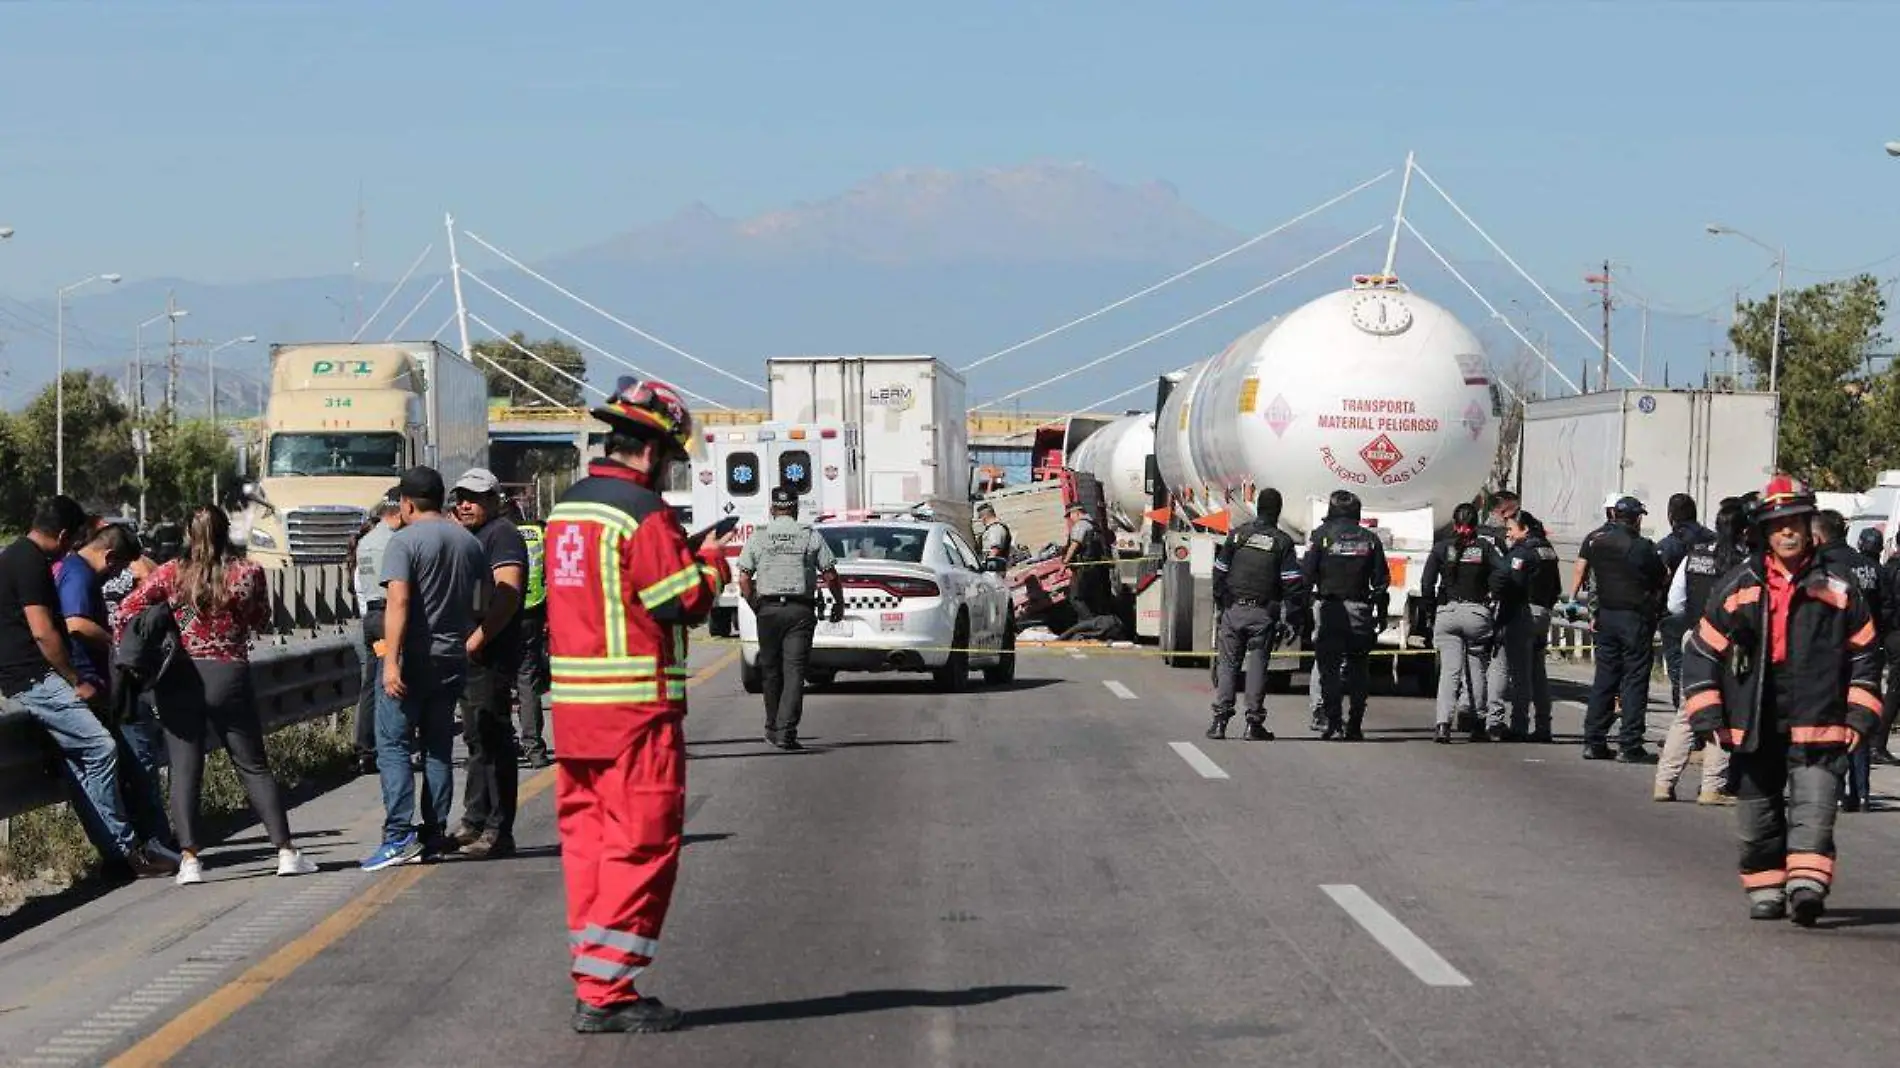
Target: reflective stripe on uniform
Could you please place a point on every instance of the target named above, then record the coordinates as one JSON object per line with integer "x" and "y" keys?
{"x": 590, "y": 666}
{"x": 602, "y": 968}
{"x": 624, "y": 941}
{"x": 675, "y": 585}
{"x": 606, "y": 693}
{"x": 613, "y": 519}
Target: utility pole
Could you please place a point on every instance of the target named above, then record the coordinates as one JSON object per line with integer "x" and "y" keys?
{"x": 171, "y": 359}
{"x": 1602, "y": 281}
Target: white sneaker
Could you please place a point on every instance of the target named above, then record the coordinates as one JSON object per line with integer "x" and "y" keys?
{"x": 191, "y": 871}
{"x": 293, "y": 862}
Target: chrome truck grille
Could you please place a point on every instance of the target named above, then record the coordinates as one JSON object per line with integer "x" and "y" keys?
{"x": 321, "y": 534}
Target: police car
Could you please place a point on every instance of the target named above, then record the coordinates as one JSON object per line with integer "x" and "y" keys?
{"x": 915, "y": 599}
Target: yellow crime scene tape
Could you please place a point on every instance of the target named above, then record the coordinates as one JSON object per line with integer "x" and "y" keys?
{"x": 1052, "y": 648}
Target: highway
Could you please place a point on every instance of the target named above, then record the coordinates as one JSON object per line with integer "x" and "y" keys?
{"x": 1063, "y": 872}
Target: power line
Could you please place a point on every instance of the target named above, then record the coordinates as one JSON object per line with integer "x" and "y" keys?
{"x": 1492, "y": 308}
{"x": 607, "y": 315}
{"x": 1223, "y": 306}
{"x": 1173, "y": 278}
{"x": 397, "y": 329}
{"x": 583, "y": 342}
{"x": 392, "y": 293}
{"x": 531, "y": 354}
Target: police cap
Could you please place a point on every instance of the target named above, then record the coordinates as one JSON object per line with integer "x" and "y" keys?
{"x": 784, "y": 498}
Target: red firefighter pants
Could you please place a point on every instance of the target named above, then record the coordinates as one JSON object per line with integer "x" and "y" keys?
{"x": 620, "y": 823}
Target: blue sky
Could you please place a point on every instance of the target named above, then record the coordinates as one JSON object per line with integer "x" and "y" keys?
{"x": 223, "y": 141}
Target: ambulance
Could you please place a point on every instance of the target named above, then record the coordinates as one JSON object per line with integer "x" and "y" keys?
{"x": 742, "y": 465}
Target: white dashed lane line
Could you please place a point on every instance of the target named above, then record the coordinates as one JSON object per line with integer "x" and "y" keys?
{"x": 1119, "y": 690}
{"x": 1198, "y": 760}
{"x": 1398, "y": 939}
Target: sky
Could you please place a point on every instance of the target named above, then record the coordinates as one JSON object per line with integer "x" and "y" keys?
{"x": 225, "y": 141}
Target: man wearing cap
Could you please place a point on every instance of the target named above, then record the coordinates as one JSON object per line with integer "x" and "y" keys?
{"x": 1783, "y": 671}
{"x": 494, "y": 664}
{"x": 1630, "y": 585}
{"x": 433, "y": 576}
{"x": 366, "y": 559}
{"x": 996, "y": 542}
{"x": 778, "y": 573}
{"x": 1087, "y": 554}
{"x": 624, "y": 587}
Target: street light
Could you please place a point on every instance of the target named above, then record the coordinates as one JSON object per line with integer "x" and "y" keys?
{"x": 59, "y": 380}
{"x": 138, "y": 403}
{"x": 211, "y": 369}
{"x": 1781, "y": 277}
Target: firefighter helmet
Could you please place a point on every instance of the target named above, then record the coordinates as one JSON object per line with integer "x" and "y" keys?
{"x": 1784, "y": 496}
{"x": 649, "y": 409}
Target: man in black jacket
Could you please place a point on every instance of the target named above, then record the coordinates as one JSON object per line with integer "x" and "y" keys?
{"x": 1630, "y": 583}
{"x": 1830, "y": 540}
{"x": 1684, "y": 534}
{"x": 1345, "y": 571}
{"x": 1783, "y": 671}
{"x": 1249, "y": 592}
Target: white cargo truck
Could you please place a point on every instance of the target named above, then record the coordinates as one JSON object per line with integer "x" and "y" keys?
{"x": 1646, "y": 443}
{"x": 911, "y": 419}
{"x": 343, "y": 421}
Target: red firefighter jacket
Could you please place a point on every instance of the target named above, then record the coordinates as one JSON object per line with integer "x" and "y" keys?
{"x": 1808, "y": 636}
{"x": 623, "y": 587}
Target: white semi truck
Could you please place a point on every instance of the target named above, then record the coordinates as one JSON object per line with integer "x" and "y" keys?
{"x": 1371, "y": 389}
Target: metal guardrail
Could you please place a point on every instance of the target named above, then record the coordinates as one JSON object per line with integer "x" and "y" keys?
{"x": 306, "y": 667}
{"x": 298, "y": 681}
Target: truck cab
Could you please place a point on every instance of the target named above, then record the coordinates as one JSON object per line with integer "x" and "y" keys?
{"x": 342, "y": 423}
{"x": 740, "y": 467}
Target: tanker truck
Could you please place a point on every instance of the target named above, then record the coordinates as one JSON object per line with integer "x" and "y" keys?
{"x": 1371, "y": 389}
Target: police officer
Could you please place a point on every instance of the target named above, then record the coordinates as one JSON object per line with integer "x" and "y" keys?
{"x": 1504, "y": 506}
{"x": 1890, "y": 644}
{"x": 1087, "y": 553}
{"x": 1535, "y": 585}
{"x": 1345, "y": 568}
{"x": 1630, "y": 584}
{"x": 1830, "y": 541}
{"x": 1684, "y": 533}
{"x": 997, "y": 542}
{"x": 1251, "y": 597}
{"x": 778, "y": 572}
{"x": 1462, "y": 581}
{"x": 1695, "y": 578}
{"x": 533, "y": 680}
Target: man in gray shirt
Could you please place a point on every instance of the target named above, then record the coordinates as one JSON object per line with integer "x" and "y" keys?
{"x": 384, "y": 521}
{"x": 435, "y": 581}
{"x": 778, "y": 572}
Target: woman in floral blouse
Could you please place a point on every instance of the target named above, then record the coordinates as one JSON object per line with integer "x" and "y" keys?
{"x": 219, "y": 602}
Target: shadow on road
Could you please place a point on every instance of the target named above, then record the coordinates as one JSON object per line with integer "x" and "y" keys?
{"x": 860, "y": 1001}
{"x": 818, "y": 749}
{"x": 1845, "y": 918}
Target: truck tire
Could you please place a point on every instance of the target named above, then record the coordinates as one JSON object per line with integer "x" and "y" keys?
{"x": 1003, "y": 672}
{"x": 1177, "y": 614}
{"x": 954, "y": 675}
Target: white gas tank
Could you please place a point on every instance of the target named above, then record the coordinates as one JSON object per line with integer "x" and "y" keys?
{"x": 1373, "y": 389}
{"x": 1117, "y": 455}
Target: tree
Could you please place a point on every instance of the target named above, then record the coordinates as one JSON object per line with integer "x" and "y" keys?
{"x": 1510, "y": 387}
{"x": 183, "y": 464}
{"x": 532, "y": 371}
{"x": 99, "y": 459}
{"x": 1837, "y": 418}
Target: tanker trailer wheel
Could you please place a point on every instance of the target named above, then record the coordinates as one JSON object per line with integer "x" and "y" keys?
{"x": 1417, "y": 673}
{"x": 1177, "y": 615}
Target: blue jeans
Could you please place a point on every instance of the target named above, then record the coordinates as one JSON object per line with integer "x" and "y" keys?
{"x": 92, "y": 759}
{"x": 144, "y": 744}
{"x": 434, "y": 689}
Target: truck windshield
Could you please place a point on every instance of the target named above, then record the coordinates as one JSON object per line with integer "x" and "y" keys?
{"x": 336, "y": 454}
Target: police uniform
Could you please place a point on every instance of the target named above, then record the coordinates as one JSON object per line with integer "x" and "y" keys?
{"x": 1250, "y": 594}
{"x": 1346, "y": 570}
{"x": 1462, "y": 581}
{"x": 1674, "y": 549}
{"x": 1629, "y": 581}
{"x": 1867, "y": 578}
{"x": 1703, "y": 565}
{"x": 533, "y": 680}
{"x": 1088, "y": 588}
{"x": 785, "y": 559}
{"x": 1534, "y": 587}
{"x": 997, "y": 542}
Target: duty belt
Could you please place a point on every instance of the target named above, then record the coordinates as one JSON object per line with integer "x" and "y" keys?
{"x": 1250, "y": 602}
{"x": 788, "y": 598}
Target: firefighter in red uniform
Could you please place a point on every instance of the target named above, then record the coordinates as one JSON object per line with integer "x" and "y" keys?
{"x": 623, "y": 586}
{"x": 1783, "y": 671}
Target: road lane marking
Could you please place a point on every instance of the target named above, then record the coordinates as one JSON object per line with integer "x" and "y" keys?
{"x": 221, "y": 1004}
{"x": 1119, "y": 690}
{"x": 1398, "y": 939}
{"x": 1198, "y": 760}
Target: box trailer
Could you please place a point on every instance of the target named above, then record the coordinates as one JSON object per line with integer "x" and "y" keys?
{"x": 911, "y": 418}
{"x": 1646, "y": 443}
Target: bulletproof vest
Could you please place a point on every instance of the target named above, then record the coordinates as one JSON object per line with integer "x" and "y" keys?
{"x": 999, "y": 534}
{"x": 784, "y": 556}
{"x": 1546, "y": 584}
{"x": 1093, "y": 547}
{"x": 1700, "y": 569}
{"x": 1253, "y": 572}
{"x": 1345, "y": 570}
{"x": 1494, "y": 537}
{"x": 537, "y": 592}
{"x": 1466, "y": 569}
{"x": 1620, "y": 585}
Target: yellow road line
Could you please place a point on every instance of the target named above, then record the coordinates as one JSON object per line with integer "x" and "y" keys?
{"x": 221, "y": 1004}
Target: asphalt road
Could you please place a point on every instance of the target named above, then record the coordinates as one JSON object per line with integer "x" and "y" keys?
{"x": 1062, "y": 872}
